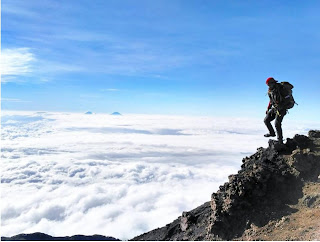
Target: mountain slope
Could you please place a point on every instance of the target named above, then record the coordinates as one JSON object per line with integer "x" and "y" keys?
{"x": 276, "y": 189}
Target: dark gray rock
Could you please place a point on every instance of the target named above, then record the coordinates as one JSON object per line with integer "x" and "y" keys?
{"x": 309, "y": 200}
{"x": 191, "y": 225}
{"x": 302, "y": 141}
{"x": 274, "y": 144}
{"x": 314, "y": 133}
{"x": 46, "y": 237}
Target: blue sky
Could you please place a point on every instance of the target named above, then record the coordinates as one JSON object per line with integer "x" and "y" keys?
{"x": 159, "y": 57}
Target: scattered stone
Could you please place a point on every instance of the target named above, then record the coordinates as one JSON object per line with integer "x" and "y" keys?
{"x": 309, "y": 200}
{"x": 314, "y": 133}
{"x": 302, "y": 141}
{"x": 282, "y": 221}
{"x": 306, "y": 162}
{"x": 186, "y": 220}
{"x": 274, "y": 144}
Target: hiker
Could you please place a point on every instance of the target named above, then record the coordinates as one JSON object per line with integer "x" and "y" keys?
{"x": 279, "y": 103}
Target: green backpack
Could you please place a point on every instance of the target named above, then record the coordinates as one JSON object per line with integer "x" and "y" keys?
{"x": 287, "y": 98}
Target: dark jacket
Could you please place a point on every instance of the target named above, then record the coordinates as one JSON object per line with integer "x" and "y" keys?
{"x": 276, "y": 97}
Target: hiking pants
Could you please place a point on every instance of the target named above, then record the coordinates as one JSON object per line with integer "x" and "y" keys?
{"x": 273, "y": 115}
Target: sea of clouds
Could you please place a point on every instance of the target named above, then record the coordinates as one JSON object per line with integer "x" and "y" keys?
{"x": 120, "y": 176}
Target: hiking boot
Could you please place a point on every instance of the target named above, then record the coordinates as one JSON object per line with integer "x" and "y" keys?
{"x": 269, "y": 135}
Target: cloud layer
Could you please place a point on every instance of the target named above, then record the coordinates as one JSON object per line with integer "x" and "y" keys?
{"x": 116, "y": 175}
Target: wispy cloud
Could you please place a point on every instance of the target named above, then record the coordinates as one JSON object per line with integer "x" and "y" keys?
{"x": 10, "y": 7}
{"x": 102, "y": 49}
{"x": 17, "y": 62}
{"x": 16, "y": 100}
{"x": 53, "y": 67}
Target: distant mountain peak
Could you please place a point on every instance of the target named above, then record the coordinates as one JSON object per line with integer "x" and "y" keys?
{"x": 116, "y": 113}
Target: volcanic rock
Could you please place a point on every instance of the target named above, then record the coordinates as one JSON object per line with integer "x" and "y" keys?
{"x": 273, "y": 184}
{"x": 45, "y": 237}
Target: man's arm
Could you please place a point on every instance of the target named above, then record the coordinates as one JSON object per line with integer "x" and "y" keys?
{"x": 270, "y": 103}
{"x": 269, "y": 107}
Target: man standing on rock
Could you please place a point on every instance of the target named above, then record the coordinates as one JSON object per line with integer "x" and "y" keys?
{"x": 276, "y": 109}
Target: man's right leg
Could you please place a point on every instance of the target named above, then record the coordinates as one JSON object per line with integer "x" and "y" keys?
{"x": 277, "y": 124}
{"x": 267, "y": 120}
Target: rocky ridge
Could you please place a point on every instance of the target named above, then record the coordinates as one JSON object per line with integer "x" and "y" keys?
{"x": 272, "y": 196}
{"x": 46, "y": 237}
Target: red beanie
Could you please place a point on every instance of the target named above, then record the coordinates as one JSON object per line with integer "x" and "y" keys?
{"x": 270, "y": 79}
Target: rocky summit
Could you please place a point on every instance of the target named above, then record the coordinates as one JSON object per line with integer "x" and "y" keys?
{"x": 274, "y": 196}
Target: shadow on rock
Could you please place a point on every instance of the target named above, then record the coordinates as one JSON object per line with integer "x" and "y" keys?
{"x": 259, "y": 193}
